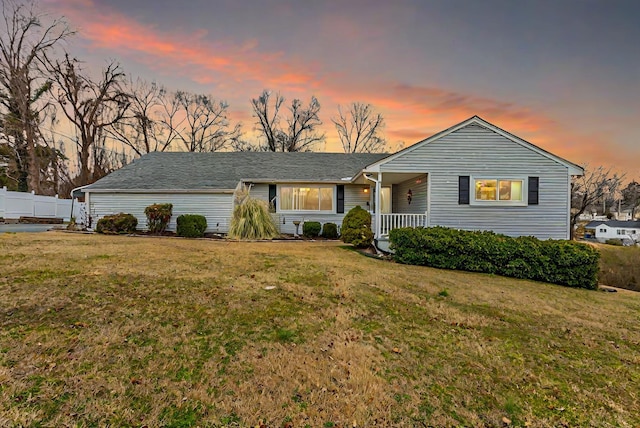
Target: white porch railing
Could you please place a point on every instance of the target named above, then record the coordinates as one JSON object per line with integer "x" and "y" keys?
{"x": 395, "y": 221}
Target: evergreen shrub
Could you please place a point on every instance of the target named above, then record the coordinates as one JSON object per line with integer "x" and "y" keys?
{"x": 117, "y": 223}
{"x": 330, "y": 231}
{"x": 311, "y": 229}
{"x": 191, "y": 225}
{"x": 559, "y": 262}
{"x": 158, "y": 216}
{"x": 356, "y": 228}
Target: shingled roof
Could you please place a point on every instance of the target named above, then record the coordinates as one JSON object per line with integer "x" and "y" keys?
{"x": 613, "y": 223}
{"x": 224, "y": 170}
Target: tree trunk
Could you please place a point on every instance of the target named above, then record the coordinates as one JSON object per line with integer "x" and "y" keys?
{"x": 33, "y": 167}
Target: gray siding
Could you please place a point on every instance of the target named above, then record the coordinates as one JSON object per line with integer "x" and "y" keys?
{"x": 353, "y": 195}
{"x": 216, "y": 208}
{"x": 419, "y": 200}
{"x": 477, "y": 151}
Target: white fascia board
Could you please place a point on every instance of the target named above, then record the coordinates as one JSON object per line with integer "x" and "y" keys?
{"x": 263, "y": 181}
{"x": 573, "y": 169}
{"x": 155, "y": 191}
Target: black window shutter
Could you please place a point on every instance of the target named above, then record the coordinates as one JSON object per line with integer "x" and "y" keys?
{"x": 533, "y": 190}
{"x": 272, "y": 196}
{"x": 340, "y": 199}
{"x": 463, "y": 190}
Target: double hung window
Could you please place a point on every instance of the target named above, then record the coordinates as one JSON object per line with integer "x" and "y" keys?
{"x": 307, "y": 198}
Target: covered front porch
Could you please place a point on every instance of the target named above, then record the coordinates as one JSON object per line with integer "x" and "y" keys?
{"x": 398, "y": 199}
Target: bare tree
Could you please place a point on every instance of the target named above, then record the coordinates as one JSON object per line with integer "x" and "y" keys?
{"x": 300, "y": 133}
{"x": 25, "y": 38}
{"x": 631, "y": 197}
{"x": 199, "y": 122}
{"x": 590, "y": 188}
{"x": 141, "y": 129}
{"x": 91, "y": 107}
{"x": 359, "y": 129}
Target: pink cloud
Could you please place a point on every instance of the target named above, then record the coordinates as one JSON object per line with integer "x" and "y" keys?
{"x": 412, "y": 112}
{"x": 189, "y": 54}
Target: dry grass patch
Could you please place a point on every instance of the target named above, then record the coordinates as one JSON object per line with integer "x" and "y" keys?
{"x": 619, "y": 266}
{"x": 120, "y": 331}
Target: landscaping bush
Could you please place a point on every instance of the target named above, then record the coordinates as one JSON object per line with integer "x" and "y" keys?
{"x": 251, "y": 220}
{"x": 559, "y": 262}
{"x": 117, "y": 223}
{"x": 356, "y": 228}
{"x": 311, "y": 229}
{"x": 158, "y": 216}
{"x": 191, "y": 225}
{"x": 330, "y": 231}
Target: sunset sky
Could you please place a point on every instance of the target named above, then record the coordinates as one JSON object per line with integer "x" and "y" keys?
{"x": 562, "y": 74}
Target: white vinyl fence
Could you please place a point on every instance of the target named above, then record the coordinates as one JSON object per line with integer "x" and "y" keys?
{"x": 14, "y": 205}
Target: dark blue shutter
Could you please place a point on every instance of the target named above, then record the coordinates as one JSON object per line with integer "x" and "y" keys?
{"x": 340, "y": 199}
{"x": 534, "y": 183}
{"x": 272, "y": 197}
{"x": 463, "y": 190}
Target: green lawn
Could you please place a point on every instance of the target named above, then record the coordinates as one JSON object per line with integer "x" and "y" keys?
{"x": 121, "y": 331}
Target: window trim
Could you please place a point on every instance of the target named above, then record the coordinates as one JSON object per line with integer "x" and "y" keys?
{"x": 334, "y": 198}
{"x": 523, "y": 202}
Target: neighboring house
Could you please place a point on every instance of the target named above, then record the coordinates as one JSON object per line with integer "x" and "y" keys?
{"x": 623, "y": 215}
{"x": 613, "y": 229}
{"x": 472, "y": 176}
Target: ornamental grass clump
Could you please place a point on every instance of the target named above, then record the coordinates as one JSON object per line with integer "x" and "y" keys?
{"x": 251, "y": 218}
{"x": 158, "y": 216}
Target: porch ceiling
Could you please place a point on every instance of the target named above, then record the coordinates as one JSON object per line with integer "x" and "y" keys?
{"x": 391, "y": 178}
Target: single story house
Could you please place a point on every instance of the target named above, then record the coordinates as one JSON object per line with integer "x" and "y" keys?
{"x": 613, "y": 229}
{"x": 472, "y": 176}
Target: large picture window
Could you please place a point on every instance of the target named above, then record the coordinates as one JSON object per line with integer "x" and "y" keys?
{"x": 498, "y": 190}
{"x": 306, "y": 198}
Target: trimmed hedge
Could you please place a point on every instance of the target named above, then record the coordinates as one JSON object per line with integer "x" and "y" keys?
{"x": 191, "y": 225}
{"x": 330, "y": 231}
{"x": 158, "y": 216}
{"x": 356, "y": 228}
{"x": 311, "y": 229}
{"x": 117, "y": 223}
{"x": 559, "y": 262}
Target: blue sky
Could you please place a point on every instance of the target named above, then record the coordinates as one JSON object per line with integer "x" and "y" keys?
{"x": 564, "y": 75}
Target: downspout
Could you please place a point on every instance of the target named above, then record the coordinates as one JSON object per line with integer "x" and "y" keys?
{"x": 86, "y": 202}
{"x": 377, "y": 205}
{"x": 73, "y": 199}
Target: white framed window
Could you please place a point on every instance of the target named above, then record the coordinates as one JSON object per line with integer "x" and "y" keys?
{"x": 620, "y": 232}
{"x": 307, "y": 198}
{"x": 603, "y": 230}
{"x": 499, "y": 191}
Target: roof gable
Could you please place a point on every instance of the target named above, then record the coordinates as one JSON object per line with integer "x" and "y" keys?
{"x": 476, "y": 120}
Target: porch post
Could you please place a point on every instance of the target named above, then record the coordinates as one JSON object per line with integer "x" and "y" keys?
{"x": 378, "y": 210}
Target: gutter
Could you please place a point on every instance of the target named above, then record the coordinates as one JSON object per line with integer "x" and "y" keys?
{"x": 181, "y": 191}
